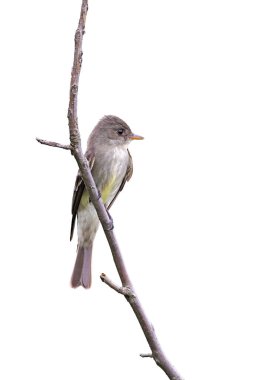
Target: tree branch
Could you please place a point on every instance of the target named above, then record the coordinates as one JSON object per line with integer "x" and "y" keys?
{"x": 54, "y": 144}
{"x": 124, "y": 290}
{"x": 76, "y": 148}
{"x": 146, "y": 355}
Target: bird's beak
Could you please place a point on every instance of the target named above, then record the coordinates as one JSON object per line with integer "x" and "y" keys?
{"x": 136, "y": 137}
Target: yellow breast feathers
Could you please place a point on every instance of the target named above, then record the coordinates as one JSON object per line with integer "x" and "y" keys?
{"x": 108, "y": 188}
{"x": 105, "y": 193}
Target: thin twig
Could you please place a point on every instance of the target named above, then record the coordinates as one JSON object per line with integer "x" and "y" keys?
{"x": 146, "y": 355}
{"x": 75, "y": 140}
{"x": 54, "y": 144}
{"x": 76, "y": 148}
{"x": 124, "y": 290}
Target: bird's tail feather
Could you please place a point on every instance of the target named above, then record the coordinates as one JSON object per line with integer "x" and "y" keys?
{"x": 81, "y": 275}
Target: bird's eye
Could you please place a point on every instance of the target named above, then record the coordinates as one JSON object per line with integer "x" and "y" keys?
{"x": 120, "y": 131}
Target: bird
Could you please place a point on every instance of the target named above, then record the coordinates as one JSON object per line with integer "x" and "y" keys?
{"x": 111, "y": 166}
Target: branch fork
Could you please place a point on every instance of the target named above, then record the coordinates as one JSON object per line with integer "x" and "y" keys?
{"x": 124, "y": 290}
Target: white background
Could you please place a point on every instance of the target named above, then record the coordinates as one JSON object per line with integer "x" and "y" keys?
{"x": 180, "y": 74}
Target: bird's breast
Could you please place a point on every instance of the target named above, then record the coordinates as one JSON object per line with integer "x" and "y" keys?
{"x": 108, "y": 188}
{"x": 109, "y": 171}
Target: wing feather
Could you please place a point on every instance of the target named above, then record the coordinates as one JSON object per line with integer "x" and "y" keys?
{"x": 78, "y": 192}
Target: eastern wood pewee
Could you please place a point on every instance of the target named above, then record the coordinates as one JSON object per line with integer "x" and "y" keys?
{"x": 111, "y": 166}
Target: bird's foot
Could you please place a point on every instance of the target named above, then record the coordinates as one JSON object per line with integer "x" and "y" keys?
{"x": 99, "y": 195}
{"x": 110, "y": 225}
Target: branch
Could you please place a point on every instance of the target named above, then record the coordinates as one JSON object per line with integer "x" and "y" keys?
{"x": 124, "y": 290}
{"x": 54, "y": 144}
{"x": 76, "y": 148}
{"x": 146, "y": 355}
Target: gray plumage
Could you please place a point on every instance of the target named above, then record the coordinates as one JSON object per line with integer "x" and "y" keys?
{"x": 111, "y": 166}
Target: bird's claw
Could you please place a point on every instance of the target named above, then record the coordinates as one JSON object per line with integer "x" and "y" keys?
{"x": 99, "y": 195}
{"x": 110, "y": 225}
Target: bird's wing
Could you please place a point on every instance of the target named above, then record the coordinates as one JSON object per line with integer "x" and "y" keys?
{"x": 78, "y": 192}
{"x": 127, "y": 177}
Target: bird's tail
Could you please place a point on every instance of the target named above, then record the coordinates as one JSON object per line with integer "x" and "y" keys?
{"x": 81, "y": 275}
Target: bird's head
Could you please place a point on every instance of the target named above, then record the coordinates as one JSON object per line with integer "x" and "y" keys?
{"x": 111, "y": 130}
